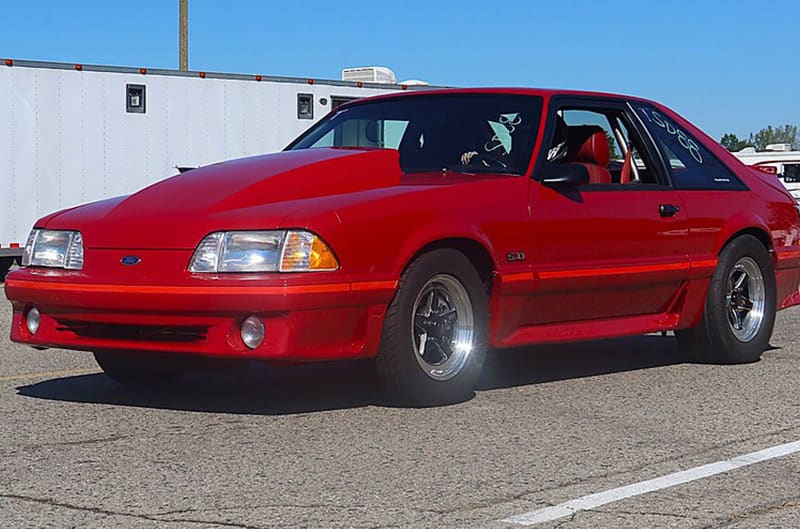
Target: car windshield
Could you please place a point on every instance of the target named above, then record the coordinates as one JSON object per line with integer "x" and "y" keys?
{"x": 469, "y": 133}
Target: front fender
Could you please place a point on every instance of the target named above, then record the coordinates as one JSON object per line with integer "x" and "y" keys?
{"x": 441, "y": 230}
{"x": 375, "y": 234}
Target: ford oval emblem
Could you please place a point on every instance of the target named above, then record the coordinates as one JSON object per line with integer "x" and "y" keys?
{"x": 130, "y": 260}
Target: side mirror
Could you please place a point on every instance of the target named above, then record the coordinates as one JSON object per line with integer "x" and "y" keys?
{"x": 564, "y": 175}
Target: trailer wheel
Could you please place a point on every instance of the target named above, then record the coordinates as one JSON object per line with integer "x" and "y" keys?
{"x": 5, "y": 264}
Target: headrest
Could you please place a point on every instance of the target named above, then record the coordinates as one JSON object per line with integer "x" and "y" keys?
{"x": 588, "y": 144}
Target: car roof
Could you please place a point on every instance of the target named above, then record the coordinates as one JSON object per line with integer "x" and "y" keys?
{"x": 546, "y": 93}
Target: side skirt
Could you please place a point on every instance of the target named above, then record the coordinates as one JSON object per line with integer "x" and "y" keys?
{"x": 591, "y": 330}
{"x": 674, "y": 315}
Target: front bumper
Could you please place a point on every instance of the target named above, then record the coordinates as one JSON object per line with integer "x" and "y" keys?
{"x": 305, "y": 318}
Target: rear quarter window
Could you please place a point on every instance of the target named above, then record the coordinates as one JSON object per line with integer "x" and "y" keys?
{"x": 691, "y": 165}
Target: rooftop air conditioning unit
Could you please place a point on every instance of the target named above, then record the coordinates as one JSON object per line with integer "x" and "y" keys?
{"x": 779, "y": 147}
{"x": 369, "y": 74}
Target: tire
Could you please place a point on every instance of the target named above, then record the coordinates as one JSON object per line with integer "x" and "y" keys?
{"x": 136, "y": 370}
{"x": 442, "y": 297}
{"x": 730, "y": 332}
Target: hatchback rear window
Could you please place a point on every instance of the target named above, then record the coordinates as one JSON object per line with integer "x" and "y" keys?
{"x": 691, "y": 165}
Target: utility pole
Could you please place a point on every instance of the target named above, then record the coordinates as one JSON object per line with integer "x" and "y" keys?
{"x": 183, "y": 39}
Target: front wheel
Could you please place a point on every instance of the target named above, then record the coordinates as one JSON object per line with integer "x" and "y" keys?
{"x": 740, "y": 307}
{"x": 136, "y": 370}
{"x": 435, "y": 333}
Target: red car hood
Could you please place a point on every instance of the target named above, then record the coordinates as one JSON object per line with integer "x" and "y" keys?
{"x": 240, "y": 194}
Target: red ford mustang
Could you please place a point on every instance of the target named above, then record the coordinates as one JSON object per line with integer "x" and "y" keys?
{"x": 422, "y": 230}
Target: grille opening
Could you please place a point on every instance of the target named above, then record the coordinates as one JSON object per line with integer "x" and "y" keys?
{"x": 150, "y": 333}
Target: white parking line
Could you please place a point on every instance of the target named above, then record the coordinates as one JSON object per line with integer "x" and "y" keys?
{"x": 592, "y": 501}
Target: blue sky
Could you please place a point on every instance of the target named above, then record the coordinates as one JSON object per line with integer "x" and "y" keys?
{"x": 728, "y": 66}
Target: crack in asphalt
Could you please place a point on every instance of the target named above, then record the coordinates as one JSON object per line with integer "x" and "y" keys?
{"x": 593, "y": 478}
{"x": 565, "y": 522}
{"x": 759, "y": 510}
{"x": 646, "y": 513}
{"x": 392, "y": 525}
{"x": 575, "y": 514}
{"x": 628, "y": 469}
{"x": 105, "y": 512}
{"x": 248, "y": 507}
{"x": 636, "y": 468}
{"x": 163, "y": 516}
{"x": 482, "y": 504}
{"x": 169, "y": 516}
{"x": 791, "y": 502}
{"x": 82, "y": 442}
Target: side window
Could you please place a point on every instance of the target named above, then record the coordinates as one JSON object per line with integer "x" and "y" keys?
{"x": 392, "y": 133}
{"x": 602, "y": 141}
{"x": 365, "y": 133}
{"x": 791, "y": 172}
{"x": 692, "y": 166}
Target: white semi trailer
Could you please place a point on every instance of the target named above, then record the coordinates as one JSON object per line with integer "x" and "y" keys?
{"x": 778, "y": 159}
{"x": 72, "y": 133}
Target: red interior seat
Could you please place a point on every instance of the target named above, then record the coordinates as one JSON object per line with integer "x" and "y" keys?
{"x": 587, "y": 145}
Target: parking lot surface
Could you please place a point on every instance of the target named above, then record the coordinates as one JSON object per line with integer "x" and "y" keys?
{"x": 316, "y": 446}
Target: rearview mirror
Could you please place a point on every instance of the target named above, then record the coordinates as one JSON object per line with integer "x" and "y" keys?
{"x": 371, "y": 132}
{"x": 564, "y": 174}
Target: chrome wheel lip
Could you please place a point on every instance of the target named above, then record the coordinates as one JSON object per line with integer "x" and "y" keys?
{"x": 442, "y": 327}
{"x": 745, "y": 299}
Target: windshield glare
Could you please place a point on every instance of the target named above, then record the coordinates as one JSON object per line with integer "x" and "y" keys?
{"x": 466, "y": 133}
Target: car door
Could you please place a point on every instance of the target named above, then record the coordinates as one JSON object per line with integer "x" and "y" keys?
{"x": 614, "y": 247}
{"x": 706, "y": 187}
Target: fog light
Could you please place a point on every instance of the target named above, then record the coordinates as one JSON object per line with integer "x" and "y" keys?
{"x": 32, "y": 320}
{"x": 252, "y": 332}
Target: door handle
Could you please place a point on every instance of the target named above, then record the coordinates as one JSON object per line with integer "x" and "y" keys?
{"x": 668, "y": 210}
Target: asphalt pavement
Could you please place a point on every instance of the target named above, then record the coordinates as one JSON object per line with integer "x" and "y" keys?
{"x": 316, "y": 446}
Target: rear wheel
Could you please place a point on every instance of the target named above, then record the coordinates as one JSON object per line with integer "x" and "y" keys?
{"x": 740, "y": 307}
{"x": 136, "y": 369}
{"x": 435, "y": 332}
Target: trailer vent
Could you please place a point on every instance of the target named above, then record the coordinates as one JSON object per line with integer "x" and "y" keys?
{"x": 369, "y": 74}
{"x": 337, "y": 101}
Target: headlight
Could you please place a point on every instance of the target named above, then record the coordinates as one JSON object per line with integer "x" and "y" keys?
{"x": 54, "y": 249}
{"x": 263, "y": 251}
